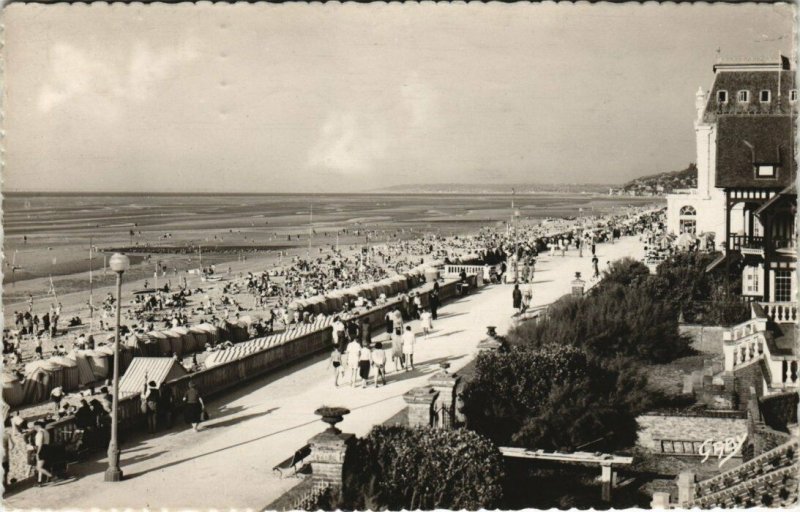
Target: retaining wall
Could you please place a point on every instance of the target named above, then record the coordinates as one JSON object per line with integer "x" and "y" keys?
{"x": 705, "y": 338}
{"x": 683, "y": 435}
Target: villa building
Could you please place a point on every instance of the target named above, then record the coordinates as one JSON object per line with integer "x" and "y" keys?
{"x": 746, "y": 170}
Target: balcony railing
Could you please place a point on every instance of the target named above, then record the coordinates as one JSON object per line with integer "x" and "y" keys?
{"x": 784, "y": 243}
{"x": 781, "y": 312}
{"x": 750, "y": 243}
{"x": 739, "y": 242}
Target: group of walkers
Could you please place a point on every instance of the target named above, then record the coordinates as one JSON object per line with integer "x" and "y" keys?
{"x": 355, "y": 355}
{"x": 158, "y": 406}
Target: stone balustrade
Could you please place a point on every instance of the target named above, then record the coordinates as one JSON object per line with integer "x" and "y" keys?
{"x": 781, "y": 312}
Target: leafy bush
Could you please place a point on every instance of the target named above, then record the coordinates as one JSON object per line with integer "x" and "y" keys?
{"x": 709, "y": 298}
{"x": 401, "y": 468}
{"x": 617, "y": 320}
{"x": 553, "y": 397}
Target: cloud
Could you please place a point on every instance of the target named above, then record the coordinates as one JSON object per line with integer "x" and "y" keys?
{"x": 348, "y": 144}
{"x": 77, "y": 75}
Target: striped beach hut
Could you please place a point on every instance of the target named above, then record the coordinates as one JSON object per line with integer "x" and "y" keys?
{"x": 146, "y": 369}
{"x": 100, "y": 363}
{"x": 85, "y": 373}
{"x": 175, "y": 342}
{"x": 41, "y": 377}
{"x": 201, "y": 337}
{"x": 71, "y": 373}
{"x": 212, "y": 331}
{"x": 162, "y": 341}
{"x": 13, "y": 394}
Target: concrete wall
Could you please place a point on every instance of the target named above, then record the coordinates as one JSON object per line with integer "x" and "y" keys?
{"x": 705, "y": 339}
{"x": 695, "y": 429}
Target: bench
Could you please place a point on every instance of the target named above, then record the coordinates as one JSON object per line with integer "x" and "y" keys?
{"x": 293, "y": 462}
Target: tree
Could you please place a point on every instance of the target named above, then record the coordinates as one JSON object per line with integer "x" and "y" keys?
{"x": 422, "y": 468}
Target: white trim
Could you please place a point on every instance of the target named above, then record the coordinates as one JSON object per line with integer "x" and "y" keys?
{"x": 739, "y": 94}
{"x": 760, "y": 94}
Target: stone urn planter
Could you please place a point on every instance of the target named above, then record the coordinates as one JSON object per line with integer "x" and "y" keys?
{"x": 332, "y": 416}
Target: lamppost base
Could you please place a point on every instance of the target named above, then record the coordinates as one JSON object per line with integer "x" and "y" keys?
{"x": 113, "y": 475}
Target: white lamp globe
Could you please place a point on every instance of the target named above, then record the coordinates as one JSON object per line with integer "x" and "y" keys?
{"x": 119, "y": 263}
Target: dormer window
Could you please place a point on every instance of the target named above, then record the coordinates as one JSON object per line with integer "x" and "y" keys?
{"x": 743, "y": 96}
{"x": 722, "y": 96}
{"x": 765, "y": 171}
{"x": 793, "y": 95}
{"x": 764, "y": 96}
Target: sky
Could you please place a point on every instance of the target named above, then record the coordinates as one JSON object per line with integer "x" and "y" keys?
{"x": 355, "y": 97}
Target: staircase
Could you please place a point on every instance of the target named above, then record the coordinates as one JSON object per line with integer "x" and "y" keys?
{"x": 768, "y": 480}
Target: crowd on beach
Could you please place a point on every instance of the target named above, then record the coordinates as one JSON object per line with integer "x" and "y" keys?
{"x": 358, "y": 357}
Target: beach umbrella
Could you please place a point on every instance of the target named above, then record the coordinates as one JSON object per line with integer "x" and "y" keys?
{"x": 13, "y": 393}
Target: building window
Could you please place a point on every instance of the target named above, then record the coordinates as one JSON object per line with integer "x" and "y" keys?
{"x": 688, "y": 219}
{"x": 743, "y": 96}
{"x": 765, "y": 171}
{"x": 783, "y": 286}
{"x": 764, "y": 96}
{"x": 752, "y": 280}
{"x": 793, "y": 95}
{"x": 722, "y": 96}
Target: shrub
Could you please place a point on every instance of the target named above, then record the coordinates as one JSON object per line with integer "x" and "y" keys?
{"x": 617, "y": 320}
{"x": 513, "y": 396}
{"x": 423, "y": 468}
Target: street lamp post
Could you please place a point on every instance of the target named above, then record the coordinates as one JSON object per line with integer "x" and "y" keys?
{"x": 119, "y": 263}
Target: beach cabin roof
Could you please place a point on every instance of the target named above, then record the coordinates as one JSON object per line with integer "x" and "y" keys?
{"x": 158, "y": 369}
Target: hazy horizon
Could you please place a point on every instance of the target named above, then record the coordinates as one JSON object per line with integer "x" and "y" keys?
{"x": 299, "y": 98}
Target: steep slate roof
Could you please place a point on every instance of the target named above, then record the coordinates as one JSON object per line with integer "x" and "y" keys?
{"x": 772, "y": 141}
{"x": 767, "y": 127}
{"x": 755, "y": 82}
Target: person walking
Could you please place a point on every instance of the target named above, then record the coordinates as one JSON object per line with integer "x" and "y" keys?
{"x": 397, "y": 352}
{"x": 194, "y": 407}
{"x": 353, "y": 356}
{"x": 433, "y": 300}
{"x": 527, "y": 297}
{"x": 150, "y": 400}
{"x": 43, "y": 451}
{"x": 516, "y": 296}
{"x": 336, "y": 364}
{"x": 338, "y": 332}
{"x": 165, "y": 405}
{"x": 595, "y": 264}
{"x": 426, "y": 321}
{"x": 409, "y": 339}
{"x": 379, "y": 361}
{"x": 389, "y": 323}
{"x": 364, "y": 363}
{"x": 8, "y": 445}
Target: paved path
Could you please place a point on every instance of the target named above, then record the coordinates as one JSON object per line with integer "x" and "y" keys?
{"x": 229, "y": 463}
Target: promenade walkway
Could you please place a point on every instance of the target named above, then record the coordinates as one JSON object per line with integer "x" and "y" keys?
{"x": 229, "y": 463}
